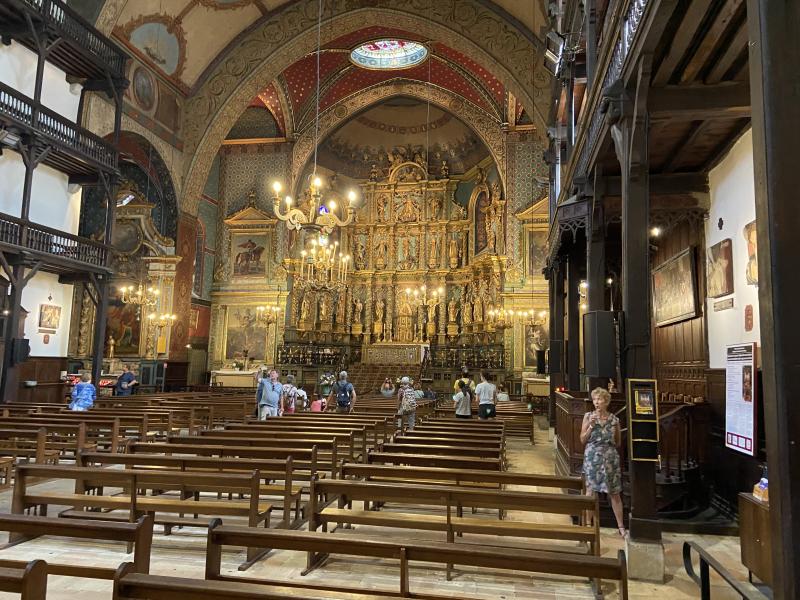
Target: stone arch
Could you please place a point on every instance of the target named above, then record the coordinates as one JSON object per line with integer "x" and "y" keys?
{"x": 484, "y": 125}
{"x": 277, "y": 41}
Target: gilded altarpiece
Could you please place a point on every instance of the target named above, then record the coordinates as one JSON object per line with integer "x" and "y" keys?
{"x": 408, "y": 232}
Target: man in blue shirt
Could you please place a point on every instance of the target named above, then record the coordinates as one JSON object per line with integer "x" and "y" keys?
{"x": 125, "y": 382}
{"x": 269, "y": 394}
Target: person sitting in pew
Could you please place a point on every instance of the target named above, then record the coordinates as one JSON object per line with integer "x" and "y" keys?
{"x": 83, "y": 394}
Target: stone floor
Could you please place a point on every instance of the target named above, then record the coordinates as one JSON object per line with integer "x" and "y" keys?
{"x": 183, "y": 554}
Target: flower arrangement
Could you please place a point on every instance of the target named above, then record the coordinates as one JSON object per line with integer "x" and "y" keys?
{"x": 327, "y": 379}
{"x": 410, "y": 380}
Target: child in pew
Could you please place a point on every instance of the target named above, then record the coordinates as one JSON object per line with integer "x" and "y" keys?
{"x": 83, "y": 394}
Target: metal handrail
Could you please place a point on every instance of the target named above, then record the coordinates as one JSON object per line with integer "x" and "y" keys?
{"x": 71, "y": 26}
{"x": 32, "y": 115}
{"x": 703, "y": 580}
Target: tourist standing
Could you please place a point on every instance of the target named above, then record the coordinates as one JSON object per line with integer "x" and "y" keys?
{"x": 387, "y": 388}
{"x": 83, "y": 394}
{"x": 463, "y": 400}
{"x": 600, "y": 432}
{"x": 486, "y": 392}
{"x": 290, "y": 395}
{"x": 125, "y": 382}
{"x": 406, "y": 404}
{"x": 466, "y": 378}
{"x": 269, "y": 395}
{"x": 345, "y": 395}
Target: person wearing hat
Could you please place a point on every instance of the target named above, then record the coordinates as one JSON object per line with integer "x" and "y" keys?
{"x": 345, "y": 395}
{"x": 406, "y": 404}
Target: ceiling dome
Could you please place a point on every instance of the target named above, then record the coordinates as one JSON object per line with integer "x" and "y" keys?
{"x": 389, "y": 54}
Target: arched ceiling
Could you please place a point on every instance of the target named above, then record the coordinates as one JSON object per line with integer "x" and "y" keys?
{"x": 183, "y": 38}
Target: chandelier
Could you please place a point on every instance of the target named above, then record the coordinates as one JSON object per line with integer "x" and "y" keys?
{"x": 323, "y": 267}
{"x": 141, "y": 296}
{"x": 419, "y": 297}
{"x": 267, "y": 315}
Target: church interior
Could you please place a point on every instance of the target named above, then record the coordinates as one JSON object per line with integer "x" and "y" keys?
{"x": 358, "y": 300}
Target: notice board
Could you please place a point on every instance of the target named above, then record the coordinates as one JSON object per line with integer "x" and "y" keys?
{"x": 740, "y": 398}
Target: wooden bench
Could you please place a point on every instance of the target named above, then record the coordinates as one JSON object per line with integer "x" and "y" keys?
{"x": 30, "y": 444}
{"x": 452, "y": 499}
{"x": 319, "y": 546}
{"x": 133, "y": 501}
{"x": 63, "y": 438}
{"x": 138, "y": 535}
{"x": 433, "y": 460}
{"x": 346, "y": 436}
{"x": 442, "y": 449}
{"x": 30, "y": 581}
{"x": 269, "y": 469}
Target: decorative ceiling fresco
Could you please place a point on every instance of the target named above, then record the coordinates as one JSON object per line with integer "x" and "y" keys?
{"x": 401, "y": 127}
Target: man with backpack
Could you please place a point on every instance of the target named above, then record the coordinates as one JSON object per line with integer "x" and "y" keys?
{"x": 345, "y": 395}
{"x": 406, "y": 404}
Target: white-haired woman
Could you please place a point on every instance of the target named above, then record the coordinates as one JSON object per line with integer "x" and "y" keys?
{"x": 406, "y": 404}
{"x": 600, "y": 432}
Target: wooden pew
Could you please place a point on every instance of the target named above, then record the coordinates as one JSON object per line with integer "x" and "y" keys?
{"x": 58, "y": 436}
{"x": 29, "y": 444}
{"x": 134, "y": 499}
{"x": 452, "y": 499}
{"x": 433, "y": 460}
{"x": 28, "y": 527}
{"x": 319, "y": 546}
{"x": 443, "y": 449}
{"x": 100, "y": 431}
{"x": 269, "y": 469}
{"x": 356, "y": 449}
{"x": 30, "y": 581}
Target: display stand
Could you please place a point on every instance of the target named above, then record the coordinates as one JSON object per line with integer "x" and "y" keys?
{"x": 643, "y": 434}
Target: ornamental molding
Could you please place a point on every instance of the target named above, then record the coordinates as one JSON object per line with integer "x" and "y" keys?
{"x": 269, "y": 48}
{"x": 487, "y": 128}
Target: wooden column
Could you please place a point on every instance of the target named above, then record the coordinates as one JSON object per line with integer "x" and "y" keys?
{"x": 630, "y": 135}
{"x": 556, "y": 358}
{"x": 596, "y": 260}
{"x": 775, "y": 92}
{"x": 590, "y": 31}
{"x": 100, "y": 318}
{"x": 573, "y": 319}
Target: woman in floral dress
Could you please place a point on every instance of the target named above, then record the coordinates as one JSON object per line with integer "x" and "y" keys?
{"x": 601, "y": 434}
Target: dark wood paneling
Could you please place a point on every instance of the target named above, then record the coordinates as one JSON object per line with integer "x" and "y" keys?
{"x": 46, "y": 371}
{"x": 680, "y": 350}
{"x": 176, "y": 376}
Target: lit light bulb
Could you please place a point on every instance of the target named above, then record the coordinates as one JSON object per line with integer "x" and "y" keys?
{"x": 351, "y": 195}
{"x": 277, "y": 187}
{"x": 288, "y": 200}
{"x": 317, "y": 183}
{"x": 655, "y": 231}
{"x": 609, "y": 281}
{"x": 332, "y": 205}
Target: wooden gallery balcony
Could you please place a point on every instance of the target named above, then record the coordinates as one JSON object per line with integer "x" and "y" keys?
{"x": 57, "y": 251}
{"x": 77, "y": 48}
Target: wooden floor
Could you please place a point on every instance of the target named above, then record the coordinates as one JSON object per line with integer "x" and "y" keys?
{"x": 182, "y": 554}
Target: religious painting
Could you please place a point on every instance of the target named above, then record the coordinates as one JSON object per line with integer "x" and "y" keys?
{"x": 244, "y": 336}
{"x": 124, "y": 325}
{"x": 144, "y": 88}
{"x": 537, "y": 338}
{"x": 49, "y": 317}
{"x": 481, "y": 212}
{"x": 750, "y": 236}
{"x": 537, "y": 252}
{"x": 674, "y": 289}
{"x": 248, "y": 252}
{"x": 159, "y": 40}
{"x": 719, "y": 278}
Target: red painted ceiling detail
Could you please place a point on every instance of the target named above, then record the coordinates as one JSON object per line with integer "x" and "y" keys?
{"x": 490, "y": 82}
{"x": 268, "y": 98}
{"x": 441, "y": 74}
{"x": 301, "y": 77}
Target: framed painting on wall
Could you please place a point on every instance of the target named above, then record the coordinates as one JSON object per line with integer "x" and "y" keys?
{"x": 675, "y": 289}
{"x": 124, "y": 325}
{"x": 243, "y": 334}
{"x": 537, "y": 338}
{"x": 248, "y": 252}
{"x": 719, "y": 277}
{"x": 49, "y": 317}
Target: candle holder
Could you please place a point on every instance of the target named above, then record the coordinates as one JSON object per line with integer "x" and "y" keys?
{"x": 156, "y": 323}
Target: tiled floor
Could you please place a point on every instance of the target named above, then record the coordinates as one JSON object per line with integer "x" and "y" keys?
{"x": 183, "y": 554}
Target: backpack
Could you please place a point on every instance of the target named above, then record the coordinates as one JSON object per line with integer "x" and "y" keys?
{"x": 343, "y": 393}
{"x": 409, "y": 401}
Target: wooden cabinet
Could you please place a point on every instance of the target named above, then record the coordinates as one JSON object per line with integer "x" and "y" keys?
{"x": 754, "y": 537}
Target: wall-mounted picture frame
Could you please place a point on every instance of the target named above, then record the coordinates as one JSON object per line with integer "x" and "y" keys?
{"x": 719, "y": 269}
{"x": 674, "y": 285}
{"x": 49, "y": 318}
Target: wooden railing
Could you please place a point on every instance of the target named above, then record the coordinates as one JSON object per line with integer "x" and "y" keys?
{"x": 69, "y": 25}
{"x": 51, "y": 241}
{"x": 32, "y": 115}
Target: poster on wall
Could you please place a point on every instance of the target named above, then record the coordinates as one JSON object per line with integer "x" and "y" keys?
{"x": 674, "y": 289}
{"x": 740, "y": 391}
{"x": 720, "y": 269}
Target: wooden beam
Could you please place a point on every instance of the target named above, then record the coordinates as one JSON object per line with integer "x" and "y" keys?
{"x": 710, "y": 40}
{"x": 700, "y": 102}
{"x": 695, "y": 131}
{"x": 736, "y": 48}
{"x": 774, "y": 54}
{"x": 692, "y": 19}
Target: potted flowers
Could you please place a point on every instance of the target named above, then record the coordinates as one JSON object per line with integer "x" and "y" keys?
{"x": 326, "y": 381}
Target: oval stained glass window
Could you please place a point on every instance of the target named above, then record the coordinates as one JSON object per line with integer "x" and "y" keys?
{"x": 389, "y": 54}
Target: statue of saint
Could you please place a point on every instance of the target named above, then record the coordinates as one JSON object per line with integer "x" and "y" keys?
{"x": 432, "y": 313}
{"x": 304, "y": 308}
{"x": 453, "y": 252}
{"x": 409, "y": 211}
{"x": 111, "y": 344}
{"x": 383, "y": 204}
{"x": 381, "y": 252}
{"x": 373, "y": 173}
{"x": 359, "y": 306}
{"x": 477, "y": 310}
{"x": 360, "y": 255}
{"x": 436, "y": 207}
{"x": 324, "y": 308}
{"x": 433, "y": 254}
{"x": 379, "y": 308}
{"x": 340, "y": 308}
{"x": 452, "y": 309}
